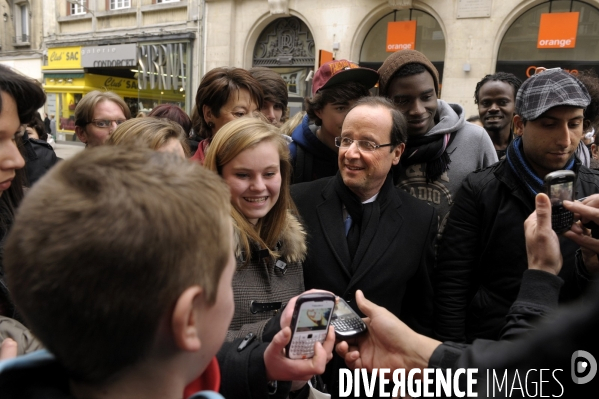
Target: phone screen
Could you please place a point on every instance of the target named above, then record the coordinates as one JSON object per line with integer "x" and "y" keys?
{"x": 310, "y": 325}
{"x": 313, "y": 319}
{"x": 561, "y": 192}
{"x": 342, "y": 310}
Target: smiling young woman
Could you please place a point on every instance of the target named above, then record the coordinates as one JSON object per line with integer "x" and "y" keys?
{"x": 253, "y": 158}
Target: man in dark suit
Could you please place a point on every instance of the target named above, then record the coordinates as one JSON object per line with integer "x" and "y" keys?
{"x": 364, "y": 233}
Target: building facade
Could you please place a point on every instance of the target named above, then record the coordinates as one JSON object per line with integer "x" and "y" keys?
{"x": 21, "y": 44}
{"x": 465, "y": 39}
{"x": 144, "y": 50}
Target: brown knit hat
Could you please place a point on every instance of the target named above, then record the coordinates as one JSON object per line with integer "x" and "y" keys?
{"x": 398, "y": 60}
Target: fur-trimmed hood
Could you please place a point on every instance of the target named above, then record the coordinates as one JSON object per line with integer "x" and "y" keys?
{"x": 292, "y": 243}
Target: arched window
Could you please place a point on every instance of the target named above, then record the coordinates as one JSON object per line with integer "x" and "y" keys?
{"x": 286, "y": 45}
{"x": 429, "y": 39}
{"x": 518, "y": 52}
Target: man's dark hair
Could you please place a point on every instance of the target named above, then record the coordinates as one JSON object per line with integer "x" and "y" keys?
{"x": 399, "y": 127}
{"x": 590, "y": 80}
{"x": 409, "y": 70}
{"x": 505, "y": 77}
{"x": 27, "y": 92}
{"x": 37, "y": 124}
{"x": 338, "y": 94}
{"x": 273, "y": 85}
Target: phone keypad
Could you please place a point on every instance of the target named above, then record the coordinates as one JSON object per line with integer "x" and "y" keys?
{"x": 562, "y": 220}
{"x": 302, "y": 346}
{"x": 348, "y": 324}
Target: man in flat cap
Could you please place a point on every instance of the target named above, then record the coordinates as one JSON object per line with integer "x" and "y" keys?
{"x": 483, "y": 254}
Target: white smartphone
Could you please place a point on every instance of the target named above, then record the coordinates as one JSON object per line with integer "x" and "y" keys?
{"x": 310, "y": 324}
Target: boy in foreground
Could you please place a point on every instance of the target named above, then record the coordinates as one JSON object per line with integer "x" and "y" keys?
{"x": 130, "y": 292}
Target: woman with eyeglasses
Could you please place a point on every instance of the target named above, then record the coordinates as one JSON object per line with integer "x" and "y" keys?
{"x": 97, "y": 115}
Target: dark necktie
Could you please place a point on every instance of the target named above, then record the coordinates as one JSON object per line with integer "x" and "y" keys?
{"x": 353, "y": 237}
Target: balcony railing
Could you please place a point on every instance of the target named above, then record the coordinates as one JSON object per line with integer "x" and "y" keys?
{"x": 20, "y": 40}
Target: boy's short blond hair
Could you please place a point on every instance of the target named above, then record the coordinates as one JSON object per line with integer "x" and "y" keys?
{"x": 149, "y": 132}
{"x": 103, "y": 247}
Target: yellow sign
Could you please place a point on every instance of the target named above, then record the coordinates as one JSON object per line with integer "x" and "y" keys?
{"x": 64, "y": 58}
{"x": 111, "y": 83}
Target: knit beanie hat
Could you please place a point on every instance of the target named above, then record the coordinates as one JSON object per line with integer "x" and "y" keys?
{"x": 398, "y": 60}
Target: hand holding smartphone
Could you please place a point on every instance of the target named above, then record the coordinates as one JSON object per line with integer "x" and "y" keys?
{"x": 559, "y": 186}
{"x": 309, "y": 324}
{"x": 346, "y": 321}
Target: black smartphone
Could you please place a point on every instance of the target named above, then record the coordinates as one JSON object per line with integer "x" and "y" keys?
{"x": 310, "y": 324}
{"x": 346, "y": 321}
{"x": 559, "y": 186}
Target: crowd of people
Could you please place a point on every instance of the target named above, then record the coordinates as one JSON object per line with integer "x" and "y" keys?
{"x": 165, "y": 259}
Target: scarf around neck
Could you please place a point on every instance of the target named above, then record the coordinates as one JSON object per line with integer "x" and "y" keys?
{"x": 431, "y": 150}
{"x": 517, "y": 162}
{"x": 366, "y": 216}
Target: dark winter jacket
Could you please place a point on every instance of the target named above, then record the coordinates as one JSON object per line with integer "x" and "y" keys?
{"x": 310, "y": 157}
{"x": 482, "y": 254}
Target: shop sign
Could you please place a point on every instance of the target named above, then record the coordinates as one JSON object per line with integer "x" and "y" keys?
{"x": 558, "y": 30}
{"x": 64, "y": 58}
{"x": 324, "y": 57}
{"x": 111, "y": 83}
{"x": 162, "y": 66}
{"x": 525, "y": 69}
{"x": 401, "y": 35}
{"x": 111, "y": 56}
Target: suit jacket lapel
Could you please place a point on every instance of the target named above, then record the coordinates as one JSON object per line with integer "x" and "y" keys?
{"x": 389, "y": 225}
{"x": 330, "y": 215}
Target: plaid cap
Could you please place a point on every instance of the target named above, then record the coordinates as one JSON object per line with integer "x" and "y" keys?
{"x": 341, "y": 71}
{"x": 549, "y": 89}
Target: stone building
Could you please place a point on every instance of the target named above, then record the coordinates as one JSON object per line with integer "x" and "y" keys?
{"x": 21, "y": 36}
{"x": 465, "y": 39}
{"x": 144, "y": 50}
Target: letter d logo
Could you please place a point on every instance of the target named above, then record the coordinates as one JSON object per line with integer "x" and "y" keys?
{"x": 579, "y": 366}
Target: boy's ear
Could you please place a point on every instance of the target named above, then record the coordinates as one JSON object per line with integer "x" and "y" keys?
{"x": 185, "y": 327}
{"x": 518, "y": 125}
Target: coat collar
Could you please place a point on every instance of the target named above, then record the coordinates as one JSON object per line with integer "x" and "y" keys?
{"x": 330, "y": 215}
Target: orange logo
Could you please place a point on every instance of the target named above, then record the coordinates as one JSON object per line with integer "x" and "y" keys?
{"x": 340, "y": 66}
{"x": 558, "y": 30}
{"x": 401, "y": 35}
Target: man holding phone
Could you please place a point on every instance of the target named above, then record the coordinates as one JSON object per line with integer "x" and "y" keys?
{"x": 483, "y": 255}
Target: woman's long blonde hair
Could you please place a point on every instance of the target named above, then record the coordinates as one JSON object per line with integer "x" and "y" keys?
{"x": 234, "y": 138}
{"x": 149, "y": 132}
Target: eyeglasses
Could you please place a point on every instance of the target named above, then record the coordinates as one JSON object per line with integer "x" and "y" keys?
{"x": 104, "y": 123}
{"x": 363, "y": 145}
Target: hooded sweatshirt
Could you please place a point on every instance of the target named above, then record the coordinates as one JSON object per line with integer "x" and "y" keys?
{"x": 470, "y": 149}
{"x": 314, "y": 159}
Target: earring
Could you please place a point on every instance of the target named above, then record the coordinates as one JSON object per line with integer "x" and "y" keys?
{"x": 211, "y": 125}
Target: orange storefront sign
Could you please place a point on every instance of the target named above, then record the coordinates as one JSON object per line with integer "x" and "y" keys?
{"x": 558, "y": 30}
{"x": 324, "y": 57}
{"x": 401, "y": 35}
